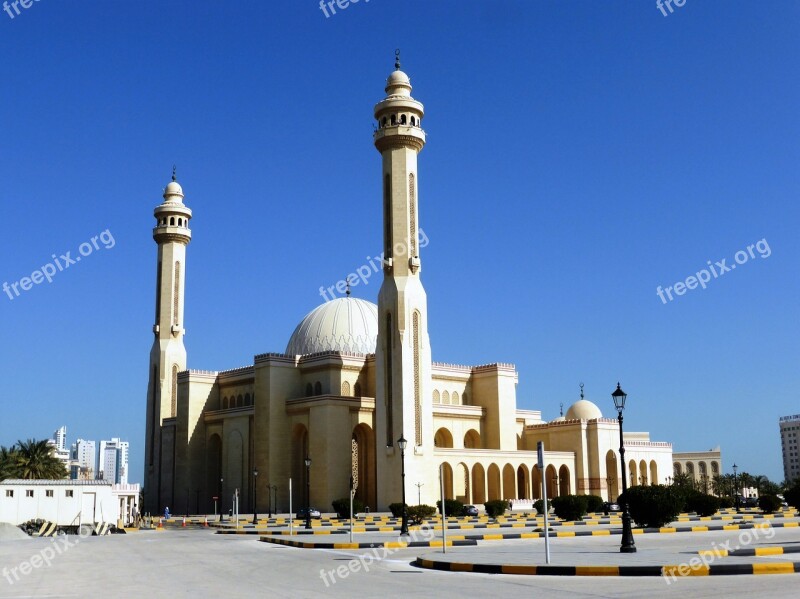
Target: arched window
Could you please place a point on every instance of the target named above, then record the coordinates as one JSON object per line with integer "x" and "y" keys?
{"x": 346, "y": 389}
{"x": 454, "y": 398}
{"x": 394, "y": 120}
{"x": 446, "y": 398}
{"x": 309, "y": 390}
{"x": 171, "y": 221}
{"x": 180, "y": 222}
{"x": 357, "y": 389}
{"x": 317, "y": 388}
{"x": 174, "y": 390}
{"x": 164, "y": 221}
{"x": 383, "y": 122}
{"x": 239, "y": 401}
{"x": 436, "y": 397}
{"x": 247, "y": 399}
{"x": 224, "y": 403}
{"x": 413, "y": 121}
{"x": 403, "y": 119}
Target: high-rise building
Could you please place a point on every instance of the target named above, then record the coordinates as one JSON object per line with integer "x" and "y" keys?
{"x": 790, "y": 432}
{"x": 60, "y": 438}
{"x": 113, "y": 461}
{"x": 82, "y": 466}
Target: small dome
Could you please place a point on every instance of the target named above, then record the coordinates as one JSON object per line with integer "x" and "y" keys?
{"x": 583, "y": 410}
{"x": 173, "y": 191}
{"x": 346, "y": 324}
{"x": 398, "y": 84}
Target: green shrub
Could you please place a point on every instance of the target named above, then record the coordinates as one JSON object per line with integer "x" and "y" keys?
{"x": 769, "y": 503}
{"x": 570, "y": 507}
{"x": 342, "y": 507}
{"x": 417, "y": 514}
{"x": 652, "y": 506}
{"x": 792, "y": 495}
{"x": 453, "y": 507}
{"x": 539, "y": 506}
{"x": 496, "y": 507}
{"x": 701, "y": 504}
{"x": 725, "y": 503}
{"x": 594, "y": 503}
{"x": 396, "y": 509}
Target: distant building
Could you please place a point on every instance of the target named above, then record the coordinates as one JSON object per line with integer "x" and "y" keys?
{"x": 113, "y": 461}
{"x": 701, "y": 466}
{"x": 60, "y": 439}
{"x": 790, "y": 429}
{"x": 83, "y": 460}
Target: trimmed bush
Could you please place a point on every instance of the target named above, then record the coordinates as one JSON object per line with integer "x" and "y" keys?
{"x": 652, "y": 506}
{"x": 452, "y": 506}
{"x": 396, "y": 509}
{"x": 725, "y": 503}
{"x": 570, "y": 507}
{"x": 496, "y": 507}
{"x": 594, "y": 503}
{"x": 702, "y": 504}
{"x": 342, "y": 507}
{"x": 539, "y": 506}
{"x": 792, "y": 495}
{"x": 417, "y": 514}
{"x": 769, "y": 503}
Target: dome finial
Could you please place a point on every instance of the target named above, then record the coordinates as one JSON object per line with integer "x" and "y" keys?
{"x": 581, "y": 390}
{"x": 397, "y": 59}
{"x": 174, "y": 171}
{"x": 561, "y": 411}
{"x": 348, "y": 286}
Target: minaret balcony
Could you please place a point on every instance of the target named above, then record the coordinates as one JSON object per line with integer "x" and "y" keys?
{"x": 165, "y": 234}
{"x": 399, "y": 136}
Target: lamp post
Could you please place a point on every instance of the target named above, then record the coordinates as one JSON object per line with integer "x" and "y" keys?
{"x": 402, "y": 443}
{"x": 627, "y": 546}
{"x": 269, "y": 498}
{"x": 275, "y": 499}
{"x": 308, "y": 493}
{"x": 419, "y": 493}
{"x": 669, "y": 481}
{"x": 221, "y": 504}
{"x": 735, "y": 490}
{"x": 255, "y": 496}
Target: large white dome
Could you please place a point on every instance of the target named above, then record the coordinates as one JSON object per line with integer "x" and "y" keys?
{"x": 583, "y": 410}
{"x": 346, "y": 324}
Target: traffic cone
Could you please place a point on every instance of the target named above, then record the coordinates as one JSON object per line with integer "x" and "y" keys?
{"x": 184, "y": 522}
{"x": 205, "y": 522}
{"x": 161, "y": 523}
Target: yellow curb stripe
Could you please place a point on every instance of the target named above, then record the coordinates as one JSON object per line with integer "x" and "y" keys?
{"x": 492, "y": 537}
{"x": 565, "y": 534}
{"x": 769, "y": 550}
{"x": 597, "y": 570}
{"x": 731, "y": 527}
{"x": 667, "y": 529}
{"x": 779, "y": 568}
{"x": 530, "y": 535}
{"x": 601, "y": 533}
{"x": 460, "y": 567}
{"x": 699, "y": 528}
{"x": 683, "y": 570}
{"x": 637, "y": 531}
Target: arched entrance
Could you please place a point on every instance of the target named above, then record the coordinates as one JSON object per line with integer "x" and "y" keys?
{"x": 213, "y": 472}
{"x": 364, "y": 462}
{"x": 564, "y": 481}
{"x": 523, "y": 482}
{"x": 478, "y": 484}
{"x": 509, "y": 491}
{"x": 494, "y": 482}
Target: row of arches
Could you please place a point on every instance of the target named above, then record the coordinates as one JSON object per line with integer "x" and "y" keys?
{"x": 702, "y": 469}
{"x": 486, "y": 483}
{"x": 401, "y": 119}
{"x": 237, "y": 401}
{"x": 642, "y": 474}
{"x": 447, "y": 398}
{"x": 172, "y": 221}
{"x": 346, "y": 389}
{"x": 444, "y": 439}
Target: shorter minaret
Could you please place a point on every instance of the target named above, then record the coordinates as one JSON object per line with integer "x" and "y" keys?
{"x": 168, "y": 354}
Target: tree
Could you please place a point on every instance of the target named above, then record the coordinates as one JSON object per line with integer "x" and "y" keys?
{"x": 683, "y": 480}
{"x": 37, "y": 460}
{"x": 8, "y": 460}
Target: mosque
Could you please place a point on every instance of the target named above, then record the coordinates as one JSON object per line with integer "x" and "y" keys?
{"x": 356, "y": 395}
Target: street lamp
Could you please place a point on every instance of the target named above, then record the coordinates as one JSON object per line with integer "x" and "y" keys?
{"x": 308, "y": 493}
{"x": 627, "y": 546}
{"x": 270, "y": 488}
{"x": 255, "y": 496}
{"x": 221, "y": 517}
{"x": 735, "y": 490}
{"x": 402, "y": 443}
{"x": 419, "y": 492}
{"x": 669, "y": 481}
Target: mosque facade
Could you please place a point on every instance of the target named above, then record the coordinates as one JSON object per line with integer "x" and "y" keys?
{"x": 354, "y": 381}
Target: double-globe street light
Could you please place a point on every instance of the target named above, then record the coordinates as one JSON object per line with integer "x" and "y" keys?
{"x": 255, "y": 496}
{"x": 402, "y": 443}
{"x": 627, "y": 546}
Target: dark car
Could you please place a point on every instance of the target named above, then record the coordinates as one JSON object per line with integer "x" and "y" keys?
{"x": 470, "y": 510}
{"x": 301, "y": 514}
{"x": 610, "y": 506}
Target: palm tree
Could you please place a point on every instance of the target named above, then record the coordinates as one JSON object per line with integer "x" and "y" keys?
{"x": 37, "y": 460}
{"x": 8, "y": 461}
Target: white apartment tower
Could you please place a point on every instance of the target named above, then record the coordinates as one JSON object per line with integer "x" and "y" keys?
{"x": 790, "y": 433}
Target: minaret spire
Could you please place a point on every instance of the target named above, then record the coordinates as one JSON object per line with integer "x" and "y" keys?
{"x": 174, "y": 172}
{"x": 397, "y": 59}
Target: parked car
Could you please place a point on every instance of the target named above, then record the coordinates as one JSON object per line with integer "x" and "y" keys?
{"x": 610, "y": 506}
{"x": 470, "y": 510}
{"x": 315, "y": 513}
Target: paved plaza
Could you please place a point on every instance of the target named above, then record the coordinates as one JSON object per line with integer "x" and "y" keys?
{"x": 195, "y": 561}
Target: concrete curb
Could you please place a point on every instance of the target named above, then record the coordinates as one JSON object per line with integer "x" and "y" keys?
{"x": 387, "y": 545}
{"x": 667, "y": 571}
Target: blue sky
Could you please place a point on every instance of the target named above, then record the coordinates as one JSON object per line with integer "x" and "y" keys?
{"x": 580, "y": 154}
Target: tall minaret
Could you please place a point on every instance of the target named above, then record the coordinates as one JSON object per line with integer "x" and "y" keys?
{"x": 403, "y": 355}
{"x": 168, "y": 355}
